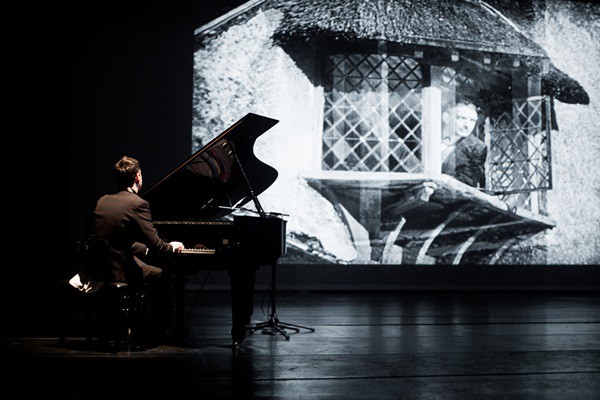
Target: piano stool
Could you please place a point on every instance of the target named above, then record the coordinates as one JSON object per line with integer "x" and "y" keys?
{"x": 114, "y": 317}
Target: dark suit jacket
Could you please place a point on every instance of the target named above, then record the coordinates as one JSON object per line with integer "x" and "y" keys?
{"x": 119, "y": 221}
{"x": 467, "y": 161}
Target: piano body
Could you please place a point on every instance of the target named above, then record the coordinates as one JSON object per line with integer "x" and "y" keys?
{"x": 194, "y": 202}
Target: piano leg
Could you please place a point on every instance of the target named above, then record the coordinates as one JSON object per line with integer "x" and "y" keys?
{"x": 242, "y": 282}
{"x": 242, "y": 300}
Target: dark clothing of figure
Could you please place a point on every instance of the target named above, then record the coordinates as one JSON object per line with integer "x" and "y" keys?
{"x": 126, "y": 244}
{"x": 466, "y": 162}
{"x": 122, "y": 226}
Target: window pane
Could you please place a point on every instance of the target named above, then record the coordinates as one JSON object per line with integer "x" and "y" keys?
{"x": 372, "y": 116}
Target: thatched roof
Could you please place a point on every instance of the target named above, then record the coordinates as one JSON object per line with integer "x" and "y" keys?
{"x": 469, "y": 25}
{"x": 562, "y": 87}
{"x": 462, "y": 24}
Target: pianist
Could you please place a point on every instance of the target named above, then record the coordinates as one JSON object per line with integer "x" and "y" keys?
{"x": 122, "y": 226}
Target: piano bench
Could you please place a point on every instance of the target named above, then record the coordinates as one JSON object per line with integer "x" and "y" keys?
{"x": 112, "y": 318}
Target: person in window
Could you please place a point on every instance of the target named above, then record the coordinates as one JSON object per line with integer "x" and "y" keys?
{"x": 463, "y": 154}
{"x": 125, "y": 242}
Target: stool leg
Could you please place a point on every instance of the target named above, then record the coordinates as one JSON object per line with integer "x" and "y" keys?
{"x": 133, "y": 320}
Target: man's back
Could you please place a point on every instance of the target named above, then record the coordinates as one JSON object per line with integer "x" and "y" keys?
{"x": 120, "y": 220}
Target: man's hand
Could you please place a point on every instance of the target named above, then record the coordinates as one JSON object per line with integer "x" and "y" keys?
{"x": 177, "y": 246}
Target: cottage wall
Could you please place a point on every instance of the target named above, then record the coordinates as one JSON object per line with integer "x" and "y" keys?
{"x": 570, "y": 33}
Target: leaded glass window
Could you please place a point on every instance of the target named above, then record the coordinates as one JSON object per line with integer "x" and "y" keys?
{"x": 519, "y": 155}
{"x": 372, "y": 116}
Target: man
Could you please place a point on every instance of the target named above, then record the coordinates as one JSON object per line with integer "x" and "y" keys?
{"x": 124, "y": 239}
{"x": 463, "y": 154}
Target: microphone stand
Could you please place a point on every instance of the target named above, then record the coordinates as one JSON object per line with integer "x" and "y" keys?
{"x": 273, "y": 325}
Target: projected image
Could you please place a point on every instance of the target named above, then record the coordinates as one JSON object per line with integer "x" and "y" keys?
{"x": 423, "y": 143}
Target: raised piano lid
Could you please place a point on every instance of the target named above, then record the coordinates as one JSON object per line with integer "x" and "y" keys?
{"x": 211, "y": 177}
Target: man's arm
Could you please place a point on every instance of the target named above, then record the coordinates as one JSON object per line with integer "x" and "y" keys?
{"x": 149, "y": 233}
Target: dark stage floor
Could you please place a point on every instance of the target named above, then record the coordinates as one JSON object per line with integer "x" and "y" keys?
{"x": 366, "y": 345}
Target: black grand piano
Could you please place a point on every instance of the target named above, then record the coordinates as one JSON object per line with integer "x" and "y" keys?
{"x": 194, "y": 204}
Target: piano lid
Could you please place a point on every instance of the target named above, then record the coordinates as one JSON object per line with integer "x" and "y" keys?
{"x": 212, "y": 176}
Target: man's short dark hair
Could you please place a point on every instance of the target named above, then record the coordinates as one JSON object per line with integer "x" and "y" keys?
{"x": 125, "y": 171}
{"x": 467, "y": 103}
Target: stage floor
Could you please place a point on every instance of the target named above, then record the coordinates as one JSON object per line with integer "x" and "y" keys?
{"x": 365, "y": 345}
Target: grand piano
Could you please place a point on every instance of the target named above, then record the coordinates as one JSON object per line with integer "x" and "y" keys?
{"x": 195, "y": 203}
